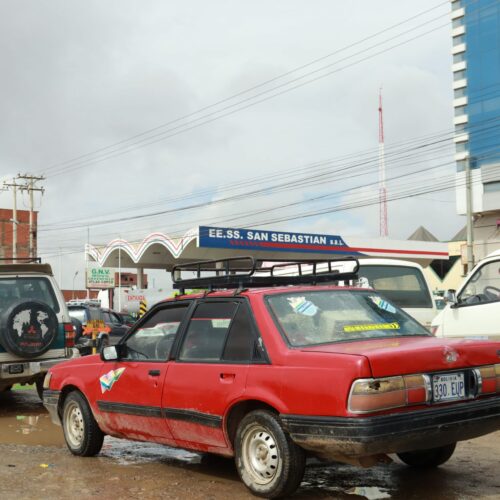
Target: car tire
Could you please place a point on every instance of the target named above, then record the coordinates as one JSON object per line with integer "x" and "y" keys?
{"x": 81, "y": 432}
{"x": 39, "y": 387}
{"x": 432, "y": 457}
{"x": 269, "y": 463}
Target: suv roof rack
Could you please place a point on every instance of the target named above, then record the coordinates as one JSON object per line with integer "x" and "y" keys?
{"x": 248, "y": 272}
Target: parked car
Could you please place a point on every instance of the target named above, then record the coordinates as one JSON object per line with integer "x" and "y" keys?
{"x": 35, "y": 328}
{"x": 82, "y": 311}
{"x": 473, "y": 311}
{"x": 271, "y": 369}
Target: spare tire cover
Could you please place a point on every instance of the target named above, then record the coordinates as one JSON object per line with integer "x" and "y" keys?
{"x": 28, "y": 328}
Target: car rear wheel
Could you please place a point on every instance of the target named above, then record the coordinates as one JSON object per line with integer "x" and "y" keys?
{"x": 432, "y": 457}
{"x": 81, "y": 432}
{"x": 269, "y": 463}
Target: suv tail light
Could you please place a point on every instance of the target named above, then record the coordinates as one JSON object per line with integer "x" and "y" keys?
{"x": 489, "y": 379}
{"x": 69, "y": 335}
{"x": 370, "y": 395}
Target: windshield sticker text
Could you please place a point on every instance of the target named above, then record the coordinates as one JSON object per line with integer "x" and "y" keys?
{"x": 374, "y": 326}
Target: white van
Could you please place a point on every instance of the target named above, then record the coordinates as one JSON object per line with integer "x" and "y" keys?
{"x": 474, "y": 311}
{"x": 403, "y": 283}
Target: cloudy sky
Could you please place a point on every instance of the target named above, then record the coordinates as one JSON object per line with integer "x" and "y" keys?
{"x": 132, "y": 107}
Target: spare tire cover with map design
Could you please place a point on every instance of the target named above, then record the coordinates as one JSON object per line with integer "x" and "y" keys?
{"x": 28, "y": 328}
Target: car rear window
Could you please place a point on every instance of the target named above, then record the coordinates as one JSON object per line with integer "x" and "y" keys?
{"x": 13, "y": 290}
{"x": 404, "y": 286}
{"x": 309, "y": 318}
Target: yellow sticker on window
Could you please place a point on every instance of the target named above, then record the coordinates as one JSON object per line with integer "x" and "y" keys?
{"x": 374, "y": 326}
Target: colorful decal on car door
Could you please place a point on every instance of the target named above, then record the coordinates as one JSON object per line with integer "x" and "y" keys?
{"x": 108, "y": 379}
{"x": 374, "y": 326}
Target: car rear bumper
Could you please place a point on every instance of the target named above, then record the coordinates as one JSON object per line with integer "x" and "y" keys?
{"x": 51, "y": 402}
{"x": 347, "y": 438}
{"x": 25, "y": 371}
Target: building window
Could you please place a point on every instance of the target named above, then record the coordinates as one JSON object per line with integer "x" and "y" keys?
{"x": 461, "y": 147}
{"x": 460, "y": 57}
{"x": 460, "y": 128}
{"x": 460, "y": 110}
{"x": 457, "y": 40}
{"x": 460, "y": 93}
{"x": 492, "y": 187}
{"x": 459, "y": 75}
{"x": 458, "y": 4}
{"x": 456, "y": 23}
{"x": 461, "y": 165}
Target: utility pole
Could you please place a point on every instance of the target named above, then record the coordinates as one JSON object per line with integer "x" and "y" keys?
{"x": 30, "y": 187}
{"x": 14, "y": 187}
{"x": 384, "y": 230}
{"x": 468, "y": 198}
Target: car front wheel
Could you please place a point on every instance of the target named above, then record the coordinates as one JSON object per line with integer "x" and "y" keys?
{"x": 81, "y": 432}
{"x": 432, "y": 457}
{"x": 269, "y": 463}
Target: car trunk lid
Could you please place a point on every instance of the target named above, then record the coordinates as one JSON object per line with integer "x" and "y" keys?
{"x": 405, "y": 355}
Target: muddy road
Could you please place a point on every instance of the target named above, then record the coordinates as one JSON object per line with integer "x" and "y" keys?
{"x": 35, "y": 464}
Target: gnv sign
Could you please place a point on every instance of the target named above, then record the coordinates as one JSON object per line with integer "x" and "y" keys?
{"x": 100, "y": 277}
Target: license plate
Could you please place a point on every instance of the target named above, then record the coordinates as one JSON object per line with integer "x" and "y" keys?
{"x": 449, "y": 387}
{"x": 15, "y": 369}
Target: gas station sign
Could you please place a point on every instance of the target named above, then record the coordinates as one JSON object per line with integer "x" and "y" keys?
{"x": 100, "y": 277}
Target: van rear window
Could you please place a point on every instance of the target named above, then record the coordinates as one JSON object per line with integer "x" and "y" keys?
{"x": 404, "y": 286}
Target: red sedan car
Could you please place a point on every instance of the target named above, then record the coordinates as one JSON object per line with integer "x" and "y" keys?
{"x": 272, "y": 374}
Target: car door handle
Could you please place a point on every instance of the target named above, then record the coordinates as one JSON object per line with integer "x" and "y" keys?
{"x": 154, "y": 373}
{"x": 227, "y": 378}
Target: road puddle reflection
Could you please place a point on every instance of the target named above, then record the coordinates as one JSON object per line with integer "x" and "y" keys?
{"x": 30, "y": 430}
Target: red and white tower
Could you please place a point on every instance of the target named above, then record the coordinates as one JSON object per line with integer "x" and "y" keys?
{"x": 384, "y": 231}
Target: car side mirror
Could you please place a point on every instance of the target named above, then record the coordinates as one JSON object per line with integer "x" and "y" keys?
{"x": 450, "y": 297}
{"x": 109, "y": 353}
{"x": 113, "y": 352}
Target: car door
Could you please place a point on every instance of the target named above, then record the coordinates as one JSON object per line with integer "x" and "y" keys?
{"x": 477, "y": 312}
{"x": 209, "y": 372}
{"x": 131, "y": 387}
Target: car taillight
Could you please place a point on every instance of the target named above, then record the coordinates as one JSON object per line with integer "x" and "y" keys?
{"x": 377, "y": 394}
{"x": 69, "y": 334}
{"x": 489, "y": 379}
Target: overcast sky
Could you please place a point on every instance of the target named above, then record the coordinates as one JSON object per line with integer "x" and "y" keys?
{"x": 79, "y": 76}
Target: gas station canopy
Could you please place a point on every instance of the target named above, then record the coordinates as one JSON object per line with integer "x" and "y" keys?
{"x": 159, "y": 251}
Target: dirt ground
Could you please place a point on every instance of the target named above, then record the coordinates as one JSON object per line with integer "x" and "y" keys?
{"x": 35, "y": 464}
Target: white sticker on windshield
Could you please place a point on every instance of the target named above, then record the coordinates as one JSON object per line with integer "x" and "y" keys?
{"x": 383, "y": 304}
{"x": 302, "y": 306}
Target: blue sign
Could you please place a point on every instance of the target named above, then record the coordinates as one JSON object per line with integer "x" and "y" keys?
{"x": 257, "y": 239}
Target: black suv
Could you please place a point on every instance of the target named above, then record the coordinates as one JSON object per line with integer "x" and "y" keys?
{"x": 35, "y": 327}
{"x": 82, "y": 311}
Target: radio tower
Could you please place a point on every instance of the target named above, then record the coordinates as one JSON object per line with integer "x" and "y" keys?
{"x": 384, "y": 231}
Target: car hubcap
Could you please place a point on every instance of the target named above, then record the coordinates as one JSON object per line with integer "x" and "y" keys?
{"x": 74, "y": 425}
{"x": 260, "y": 454}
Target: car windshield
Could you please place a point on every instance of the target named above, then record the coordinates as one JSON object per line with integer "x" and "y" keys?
{"x": 14, "y": 290}
{"x": 318, "y": 317}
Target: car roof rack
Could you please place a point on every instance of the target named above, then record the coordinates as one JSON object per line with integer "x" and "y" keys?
{"x": 249, "y": 272}
{"x": 21, "y": 260}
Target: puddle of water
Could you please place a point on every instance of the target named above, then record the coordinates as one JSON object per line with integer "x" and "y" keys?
{"x": 369, "y": 492}
{"x": 30, "y": 430}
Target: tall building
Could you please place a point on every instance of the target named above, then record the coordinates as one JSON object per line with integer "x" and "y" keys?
{"x": 476, "y": 85}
